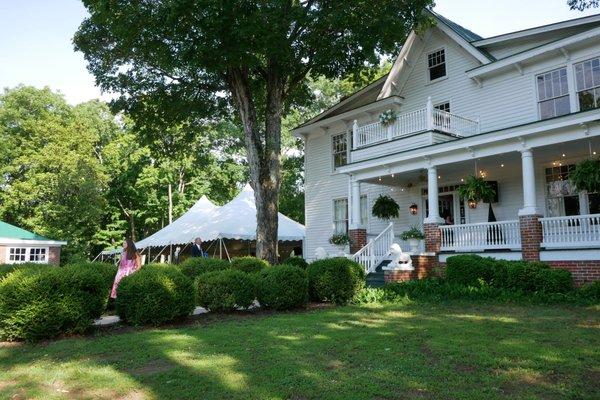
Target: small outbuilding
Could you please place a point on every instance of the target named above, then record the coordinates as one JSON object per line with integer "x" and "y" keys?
{"x": 20, "y": 246}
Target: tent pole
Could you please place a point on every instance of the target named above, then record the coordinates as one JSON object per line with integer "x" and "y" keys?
{"x": 149, "y": 257}
{"x": 171, "y": 253}
{"x": 227, "y": 253}
{"x": 158, "y": 255}
{"x": 221, "y": 248}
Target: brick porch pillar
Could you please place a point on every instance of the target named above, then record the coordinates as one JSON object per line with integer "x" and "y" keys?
{"x": 433, "y": 237}
{"x": 531, "y": 236}
{"x": 358, "y": 239}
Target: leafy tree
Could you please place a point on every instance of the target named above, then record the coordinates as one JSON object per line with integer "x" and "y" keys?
{"x": 582, "y": 5}
{"x": 188, "y": 60}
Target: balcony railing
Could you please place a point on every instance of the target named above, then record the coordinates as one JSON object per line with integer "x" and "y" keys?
{"x": 425, "y": 119}
{"x": 581, "y": 231}
{"x": 481, "y": 236}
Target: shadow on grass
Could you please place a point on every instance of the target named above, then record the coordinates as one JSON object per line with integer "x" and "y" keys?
{"x": 411, "y": 351}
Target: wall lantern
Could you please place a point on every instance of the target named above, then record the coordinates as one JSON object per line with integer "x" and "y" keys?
{"x": 413, "y": 209}
{"x": 472, "y": 204}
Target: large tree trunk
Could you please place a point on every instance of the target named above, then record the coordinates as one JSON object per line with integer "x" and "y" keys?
{"x": 263, "y": 154}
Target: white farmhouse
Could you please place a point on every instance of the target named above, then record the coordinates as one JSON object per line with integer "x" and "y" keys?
{"x": 518, "y": 109}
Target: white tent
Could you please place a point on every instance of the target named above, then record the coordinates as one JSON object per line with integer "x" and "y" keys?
{"x": 237, "y": 220}
{"x": 184, "y": 229}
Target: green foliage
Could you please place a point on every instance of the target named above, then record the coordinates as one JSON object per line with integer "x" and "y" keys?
{"x": 335, "y": 279}
{"x": 469, "y": 269}
{"x": 586, "y": 175}
{"x": 6, "y": 269}
{"x": 582, "y": 5}
{"x": 154, "y": 295}
{"x": 339, "y": 239}
{"x": 476, "y": 189}
{"x": 39, "y": 303}
{"x": 283, "y": 287}
{"x": 248, "y": 264}
{"x": 591, "y": 292}
{"x": 194, "y": 266}
{"x": 385, "y": 208}
{"x": 413, "y": 233}
{"x": 297, "y": 262}
{"x": 226, "y": 290}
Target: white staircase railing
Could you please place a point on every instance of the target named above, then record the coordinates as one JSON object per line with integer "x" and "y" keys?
{"x": 481, "y": 236}
{"x": 572, "y": 231}
{"x": 376, "y": 250}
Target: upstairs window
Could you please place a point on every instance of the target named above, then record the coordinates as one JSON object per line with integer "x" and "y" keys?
{"x": 553, "y": 93}
{"x": 339, "y": 146}
{"x": 340, "y": 216}
{"x": 436, "y": 63}
{"x": 587, "y": 78}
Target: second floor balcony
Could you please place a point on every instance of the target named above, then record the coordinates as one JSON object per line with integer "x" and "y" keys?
{"x": 427, "y": 119}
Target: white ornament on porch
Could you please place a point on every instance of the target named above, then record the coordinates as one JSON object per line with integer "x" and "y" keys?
{"x": 400, "y": 261}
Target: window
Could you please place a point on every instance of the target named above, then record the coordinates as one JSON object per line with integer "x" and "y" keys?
{"x": 553, "y": 93}
{"x": 340, "y": 149}
{"x": 436, "y": 63}
{"x": 364, "y": 210}
{"x": 587, "y": 79}
{"x": 443, "y": 107}
{"x": 340, "y": 216}
{"x": 37, "y": 255}
{"x": 562, "y": 198}
{"x": 17, "y": 254}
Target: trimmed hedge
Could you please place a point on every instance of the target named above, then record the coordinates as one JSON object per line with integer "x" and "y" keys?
{"x": 195, "y": 266}
{"x": 591, "y": 292}
{"x": 39, "y": 303}
{"x": 6, "y": 269}
{"x": 283, "y": 287}
{"x": 297, "y": 262}
{"x": 154, "y": 295}
{"x": 335, "y": 279}
{"x": 226, "y": 290}
{"x": 524, "y": 276}
{"x": 249, "y": 264}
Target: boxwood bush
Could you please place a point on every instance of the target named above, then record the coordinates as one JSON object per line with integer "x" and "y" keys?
{"x": 469, "y": 269}
{"x": 591, "y": 292}
{"x": 283, "y": 287}
{"x": 154, "y": 295}
{"x": 39, "y": 303}
{"x": 296, "y": 261}
{"x": 194, "y": 266}
{"x": 6, "y": 269}
{"x": 248, "y": 264}
{"x": 226, "y": 290}
{"x": 335, "y": 279}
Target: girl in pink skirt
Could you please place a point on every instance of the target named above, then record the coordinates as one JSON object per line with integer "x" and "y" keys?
{"x": 130, "y": 262}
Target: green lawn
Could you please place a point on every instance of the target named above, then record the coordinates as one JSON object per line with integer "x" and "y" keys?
{"x": 417, "y": 351}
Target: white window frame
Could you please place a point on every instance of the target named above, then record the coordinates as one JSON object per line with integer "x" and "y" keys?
{"x": 427, "y": 69}
{"x": 576, "y": 88}
{"x": 333, "y": 153}
{"x": 441, "y": 103}
{"x": 334, "y": 221}
{"x": 537, "y": 92}
{"x": 364, "y": 206}
{"x": 27, "y": 254}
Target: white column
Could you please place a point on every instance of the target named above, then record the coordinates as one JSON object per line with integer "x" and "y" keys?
{"x": 429, "y": 113}
{"x": 528, "y": 169}
{"x": 432, "y": 197}
{"x": 354, "y": 135}
{"x": 355, "y": 205}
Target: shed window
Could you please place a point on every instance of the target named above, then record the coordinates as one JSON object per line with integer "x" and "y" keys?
{"x": 436, "y": 62}
{"x": 17, "y": 254}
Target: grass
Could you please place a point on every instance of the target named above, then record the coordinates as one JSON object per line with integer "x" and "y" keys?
{"x": 414, "y": 351}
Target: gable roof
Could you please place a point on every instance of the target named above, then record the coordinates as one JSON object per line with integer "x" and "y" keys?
{"x": 13, "y": 234}
{"x": 467, "y": 34}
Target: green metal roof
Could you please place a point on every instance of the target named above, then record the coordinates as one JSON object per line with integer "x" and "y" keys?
{"x": 468, "y": 35}
{"x": 8, "y": 231}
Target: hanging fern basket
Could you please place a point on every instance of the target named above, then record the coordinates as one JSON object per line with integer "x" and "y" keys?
{"x": 385, "y": 208}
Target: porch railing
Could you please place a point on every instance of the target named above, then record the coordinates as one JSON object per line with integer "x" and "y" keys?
{"x": 424, "y": 119}
{"x": 572, "y": 231}
{"x": 481, "y": 236}
{"x": 376, "y": 250}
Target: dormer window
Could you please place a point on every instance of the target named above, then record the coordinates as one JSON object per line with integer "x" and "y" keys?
{"x": 436, "y": 63}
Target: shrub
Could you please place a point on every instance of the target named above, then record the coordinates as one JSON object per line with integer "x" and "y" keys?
{"x": 297, "y": 262}
{"x": 248, "y": 264}
{"x": 226, "y": 290}
{"x": 283, "y": 287}
{"x": 39, "y": 303}
{"x": 335, "y": 279}
{"x": 154, "y": 295}
{"x": 6, "y": 269}
{"x": 590, "y": 292}
{"x": 195, "y": 266}
{"x": 469, "y": 269}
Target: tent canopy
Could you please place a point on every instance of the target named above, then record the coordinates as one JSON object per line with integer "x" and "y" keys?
{"x": 184, "y": 229}
{"x": 234, "y": 220}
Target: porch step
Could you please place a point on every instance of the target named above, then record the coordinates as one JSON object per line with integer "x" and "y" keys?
{"x": 376, "y": 279}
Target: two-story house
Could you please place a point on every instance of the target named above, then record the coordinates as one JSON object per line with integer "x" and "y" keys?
{"x": 519, "y": 109}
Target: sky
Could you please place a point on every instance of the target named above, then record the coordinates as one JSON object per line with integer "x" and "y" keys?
{"x": 36, "y": 37}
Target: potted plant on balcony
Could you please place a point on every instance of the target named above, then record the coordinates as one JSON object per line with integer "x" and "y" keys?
{"x": 414, "y": 235}
{"x": 388, "y": 117}
{"x": 340, "y": 240}
{"x": 586, "y": 176}
{"x": 385, "y": 208}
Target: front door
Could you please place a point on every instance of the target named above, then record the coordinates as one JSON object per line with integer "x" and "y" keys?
{"x": 446, "y": 207}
